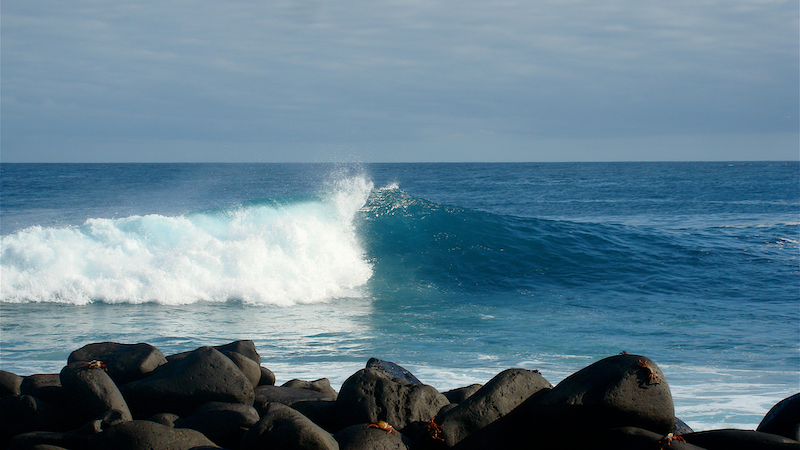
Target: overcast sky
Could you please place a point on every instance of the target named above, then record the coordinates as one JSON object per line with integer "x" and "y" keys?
{"x": 390, "y": 80}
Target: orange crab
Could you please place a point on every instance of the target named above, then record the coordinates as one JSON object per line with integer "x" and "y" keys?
{"x": 666, "y": 441}
{"x": 434, "y": 429}
{"x": 383, "y": 425}
{"x": 95, "y": 364}
{"x": 652, "y": 376}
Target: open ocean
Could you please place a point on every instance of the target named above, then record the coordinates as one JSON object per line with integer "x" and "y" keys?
{"x": 454, "y": 271}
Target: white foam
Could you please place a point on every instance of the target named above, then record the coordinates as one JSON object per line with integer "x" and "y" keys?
{"x": 281, "y": 255}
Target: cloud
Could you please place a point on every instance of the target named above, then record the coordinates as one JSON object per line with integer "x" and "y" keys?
{"x": 321, "y": 73}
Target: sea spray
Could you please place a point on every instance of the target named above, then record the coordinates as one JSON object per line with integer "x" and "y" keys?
{"x": 279, "y": 252}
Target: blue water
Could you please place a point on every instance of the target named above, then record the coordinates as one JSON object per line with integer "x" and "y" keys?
{"x": 455, "y": 271}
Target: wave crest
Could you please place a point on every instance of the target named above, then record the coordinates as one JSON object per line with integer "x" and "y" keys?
{"x": 297, "y": 250}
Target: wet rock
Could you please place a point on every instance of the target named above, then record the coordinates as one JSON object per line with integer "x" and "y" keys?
{"x": 180, "y": 386}
{"x": 224, "y": 423}
{"x": 458, "y": 395}
{"x": 497, "y": 398}
{"x": 618, "y": 391}
{"x": 393, "y": 370}
{"x": 370, "y": 395}
{"x": 146, "y": 435}
{"x": 281, "y": 427}
{"x": 124, "y": 362}
{"x": 730, "y": 439}
{"x": 783, "y": 419}
{"x": 681, "y": 427}
{"x": 9, "y": 383}
{"x": 91, "y": 392}
{"x": 362, "y": 437}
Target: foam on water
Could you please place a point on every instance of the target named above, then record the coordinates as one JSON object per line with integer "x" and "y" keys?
{"x": 270, "y": 253}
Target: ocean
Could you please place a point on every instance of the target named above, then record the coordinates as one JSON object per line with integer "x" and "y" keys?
{"x": 454, "y": 271}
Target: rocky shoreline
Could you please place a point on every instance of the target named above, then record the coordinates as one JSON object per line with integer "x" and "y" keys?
{"x": 132, "y": 397}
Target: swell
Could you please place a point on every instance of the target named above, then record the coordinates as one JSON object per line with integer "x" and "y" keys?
{"x": 420, "y": 243}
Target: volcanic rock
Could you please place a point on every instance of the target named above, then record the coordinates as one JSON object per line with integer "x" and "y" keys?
{"x": 146, "y": 435}
{"x": 180, "y": 386}
{"x": 267, "y": 377}
{"x": 9, "y": 383}
{"x": 124, "y": 362}
{"x": 23, "y": 413}
{"x": 632, "y": 438}
{"x": 249, "y": 367}
{"x": 730, "y": 439}
{"x": 44, "y": 386}
{"x": 91, "y": 392}
{"x": 458, "y": 395}
{"x": 281, "y": 427}
{"x": 286, "y": 395}
{"x": 393, "y": 370}
{"x": 783, "y": 419}
{"x": 370, "y": 395}
{"x": 618, "y": 391}
{"x": 323, "y": 385}
{"x": 497, "y": 398}
{"x": 362, "y": 437}
{"x": 223, "y": 423}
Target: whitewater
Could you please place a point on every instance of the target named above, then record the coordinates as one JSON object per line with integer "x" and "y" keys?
{"x": 455, "y": 271}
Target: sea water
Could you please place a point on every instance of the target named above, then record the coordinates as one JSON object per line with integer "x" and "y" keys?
{"x": 454, "y": 271}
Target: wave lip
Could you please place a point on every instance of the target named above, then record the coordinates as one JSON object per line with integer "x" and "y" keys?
{"x": 274, "y": 252}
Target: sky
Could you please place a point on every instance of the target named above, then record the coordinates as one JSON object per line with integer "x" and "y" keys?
{"x": 399, "y": 81}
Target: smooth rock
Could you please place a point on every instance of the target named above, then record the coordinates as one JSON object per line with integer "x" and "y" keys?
{"x": 267, "y": 377}
{"x": 322, "y": 385}
{"x": 322, "y": 412}
{"x": 458, "y": 395}
{"x": 730, "y": 439}
{"x": 281, "y": 427}
{"x": 362, "y": 437}
{"x": 497, "y": 398}
{"x": 244, "y": 347}
{"x": 619, "y": 391}
{"x": 146, "y": 435}
{"x": 23, "y": 413}
{"x": 30, "y": 440}
{"x": 91, "y": 392}
{"x": 288, "y": 396}
{"x": 371, "y": 395}
{"x": 180, "y": 386}
{"x": 249, "y": 368}
{"x": 166, "y": 419}
{"x": 10, "y": 383}
{"x": 632, "y": 438}
{"x": 44, "y": 386}
{"x": 783, "y": 419}
{"x": 124, "y": 362}
{"x": 224, "y": 423}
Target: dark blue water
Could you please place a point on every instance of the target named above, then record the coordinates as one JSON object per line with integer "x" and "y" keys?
{"x": 455, "y": 271}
